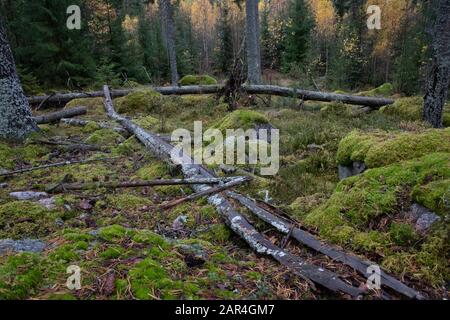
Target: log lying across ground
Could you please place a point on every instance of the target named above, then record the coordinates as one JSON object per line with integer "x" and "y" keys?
{"x": 236, "y": 221}
{"x": 56, "y": 116}
{"x": 312, "y": 242}
{"x": 305, "y": 95}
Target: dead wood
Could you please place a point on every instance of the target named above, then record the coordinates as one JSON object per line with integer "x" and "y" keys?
{"x": 56, "y": 116}
{"x": 311, "y": 241}
{"x": 233, "y": 218}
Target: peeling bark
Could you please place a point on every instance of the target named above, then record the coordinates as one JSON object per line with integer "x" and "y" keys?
{"x": 15, "y": 114}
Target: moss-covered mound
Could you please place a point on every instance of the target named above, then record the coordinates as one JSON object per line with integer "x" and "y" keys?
{"x": 242, "y": 119}
{"x": 94, "y": 105}
{"x": 411, "y": 108}
{"x": 385, "y": 90}
{"x": 365, "y": 214}
{"x": 140, "y": 101}
{"x": 10, "y": 155}
{"x": 191, "y": 80}
{"x": 381, "y": 148}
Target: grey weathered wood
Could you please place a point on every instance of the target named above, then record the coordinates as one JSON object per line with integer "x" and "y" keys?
{"x": 15, "y": 114}
{"x": 372, "y": 102}
{"x": 233, "y": 218}
{"x": 56, "y": 116}
{"x": 312, "y": 242}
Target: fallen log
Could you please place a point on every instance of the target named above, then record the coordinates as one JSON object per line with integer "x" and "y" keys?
{"x": 137, "y": 184}
{"x": 372, "y": 102}
{"x": 83, "y": 123}
{"x": 234, "y": 219}
{"x": 52, "y": 165}
{"x": 56, "y": 116}
{"x": 309, "y": 240}
{"x": 205, "y": 192}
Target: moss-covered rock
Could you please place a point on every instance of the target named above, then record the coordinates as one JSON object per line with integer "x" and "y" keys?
{"x": 140, "y": 101}
{"x": 382, "y": 148}
{"x": 434, "y": 195}
{"x": 191, "y": 80}
{"x": 385, "y": 90}
{"x": 104, "y": 137}
{"x": 411, "y": 108}
{"x": 24, "y": 219}
{"x": 360, "y": 201}
{"x": 242, "y": 119}
{"x": 94, "y": 105}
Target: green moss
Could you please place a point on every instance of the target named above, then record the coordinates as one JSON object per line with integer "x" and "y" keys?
{"x": 147, "y": 123}
{"x": 152, "y": 171}
{"x": 112, "y": 252}
{"x": 254, "y": 275}
{"x": 402, "y": 234}
{"x": 104, "y": 137}
{"x": 242, "y": 119}
{"x": 94, "y": 105}
{"x": 75, "y": 236}
{"x": 303, "y": 205}
{"x": 128, "y": 147}
{"x": 360, "y": 201}
{"x": 434, "y": 195}
{"x": 411, "y": 108}
{"x": 62, "y": 297}
{"x": 20, "y": 276}
{"x": 217, "y": 233}
{"x": 149, "y": 237}
{"x": 91, "y": 127}
{"x": 10, "y": 154}
{"x": 22, "y": 219}
{"x": 66, "y": 253}
{"x": 140, "y": 101}
{"x": 126, "y": 201}
{"x": 380, "y": 148}
{"x": 191, "y": 80}
{"x": 385, "y": 90}
{"x": 114, "y": 233}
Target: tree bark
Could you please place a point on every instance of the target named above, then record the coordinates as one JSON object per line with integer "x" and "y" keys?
{"x": 56, "y": 116}
{"x": 253, "y": 42}
{"x": 169, "y": 30}
{"x": 306, "y": 95}
{"x": 15, "y": 115}
{"x": 439, "y": 74}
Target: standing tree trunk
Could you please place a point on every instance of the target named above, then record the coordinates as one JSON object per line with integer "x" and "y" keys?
{"x": 253, "y": 42}
{"x": 15, "y": 114}
{"x": 439, "y": 74}
{"x": 169, "y": 36}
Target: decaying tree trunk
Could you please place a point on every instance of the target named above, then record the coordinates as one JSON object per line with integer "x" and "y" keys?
{"x": 15, "y": 114}
{"x": 439, "y": 74}
{"x": 56, "y": 116}
{"x": 306, "y": 95}
{"x": 234, "y": 219}
{"x": 312, "y": 242}
{"x": 169, "y": 36}
{"x": 253, "y": 41}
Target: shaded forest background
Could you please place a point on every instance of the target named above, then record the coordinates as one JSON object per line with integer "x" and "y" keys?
{"x": 321, "y": 44}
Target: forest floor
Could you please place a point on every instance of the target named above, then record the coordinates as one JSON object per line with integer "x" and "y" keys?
{"x": 127, "y": 249}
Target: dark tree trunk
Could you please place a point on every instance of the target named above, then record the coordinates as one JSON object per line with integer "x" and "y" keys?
{"x": 169, "y": 36}
{"x": 439, "y": 74}
{"x": 253, "y": 42}
{"x": 15, "y": 114}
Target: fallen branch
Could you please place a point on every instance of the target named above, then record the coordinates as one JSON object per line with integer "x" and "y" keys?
{"x": 234, "y": 219}
{"x": 137, "y": 184}
{"x": 306, "y": 95}
{"x": 309, "y": 240}
{"x": 56, "y": 116}
{"x": 52, "y": 165}
{"x": 206, "y": 192}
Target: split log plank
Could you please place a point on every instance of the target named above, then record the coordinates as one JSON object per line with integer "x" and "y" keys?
{"x": 234, "y": 219}
{"x": 309, "y": 240}
{"x": 305, "y": 95}
{"x": 56, "y": 116}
